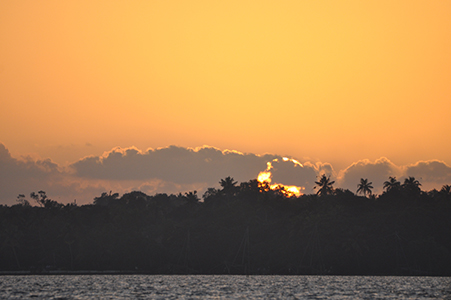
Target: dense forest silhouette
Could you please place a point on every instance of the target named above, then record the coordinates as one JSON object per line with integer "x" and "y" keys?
{"x": 245, "y": 228}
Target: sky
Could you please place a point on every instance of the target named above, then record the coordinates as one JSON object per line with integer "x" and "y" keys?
{"x": 93, "y": 91}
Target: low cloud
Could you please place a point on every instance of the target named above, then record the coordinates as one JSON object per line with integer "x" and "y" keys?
{"x": 431, "y": 174}
{"x": 25, "y": 175}
{"x": 164, "y": 170}
{"x": 291, "y": 173}
{"x": 376, "y": 172}
{"x": 178, "y": 169}
{"x": 15, "y": 174}
{"x": 172, "y": 164}
{"x": 203, "y": 166}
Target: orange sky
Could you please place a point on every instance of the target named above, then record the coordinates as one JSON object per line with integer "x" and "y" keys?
{"x": 334, "y": 81}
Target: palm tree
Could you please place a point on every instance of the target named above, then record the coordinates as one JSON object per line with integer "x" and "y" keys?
{"x": 392, "y": 184}
{"x": 446, "y": 189}
{"x": 411, "y": 185}
{"x": 228, "y": 185}
{"x": 364, "y": 187}
{"x": 324, "y": 186}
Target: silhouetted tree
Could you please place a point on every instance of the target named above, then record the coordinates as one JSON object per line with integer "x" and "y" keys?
{"x": 251, "y": 186}
{"x": 411, "y": 186}
{"x": 192, "y": 197}
{"x": 228, "y": 186}
{"x": 446, "y": 190}
{"x": 242, "y": 234}
{"x": 324, "y": 186}
{"x": 42, "y": 199}
{"x": 135, "y": 199}
{"x": 392, "y": 184}
{"x": 22, "y": 201}
{"x": 106, "y": 199}
{"x": 343, "y": 192}
{"x": 210, "y": 194}
{"x": 444, "y": 193}
{"x": 364, "y": 187}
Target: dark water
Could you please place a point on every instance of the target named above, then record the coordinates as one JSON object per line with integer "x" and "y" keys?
{"x": 222, "y": 287}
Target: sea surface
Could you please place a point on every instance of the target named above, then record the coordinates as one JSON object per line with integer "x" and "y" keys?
{"x": 222, "y": 287}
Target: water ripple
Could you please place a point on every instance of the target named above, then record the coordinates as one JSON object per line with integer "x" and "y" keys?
{"x": 222, "y": 287}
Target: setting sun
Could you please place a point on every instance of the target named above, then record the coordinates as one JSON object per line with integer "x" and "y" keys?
{"x": 265, "y": 177}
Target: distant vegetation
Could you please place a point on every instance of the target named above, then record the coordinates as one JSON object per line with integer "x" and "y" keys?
{"x": 245, "y": 228}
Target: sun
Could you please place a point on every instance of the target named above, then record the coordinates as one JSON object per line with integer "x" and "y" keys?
{"x": 265, "y": 177}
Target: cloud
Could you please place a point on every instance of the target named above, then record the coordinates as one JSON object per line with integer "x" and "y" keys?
{"x": 173, "y": 164}
{"x": 376, "y": 172}
{"x": 203, "y": 166}
{"x": 178, "y": 169}
{"x": 25, "y": 175}
{"x": 164, "y": 170}
{"x": 430, "y": 173}
{"x": 25, "y": 172}
{"x": 290, "y": 173}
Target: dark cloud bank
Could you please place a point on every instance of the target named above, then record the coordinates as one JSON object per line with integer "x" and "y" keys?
{"x": 177, "y": 169}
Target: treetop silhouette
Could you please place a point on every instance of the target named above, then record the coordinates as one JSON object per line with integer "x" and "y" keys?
{"x": 324, "y": 186}
{"x": 364, "y": 187}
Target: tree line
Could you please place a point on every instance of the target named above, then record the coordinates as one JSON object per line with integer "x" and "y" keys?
{"x": 246, "y": 228}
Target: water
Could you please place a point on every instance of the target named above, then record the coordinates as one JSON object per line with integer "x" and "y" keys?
{"x": 222, "y": 287}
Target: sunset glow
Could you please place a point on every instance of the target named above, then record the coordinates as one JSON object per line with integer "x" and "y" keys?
{"x": 266, "y": 177}
{"x": 297, "y": 191}
{"x": 319, "y": 85}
